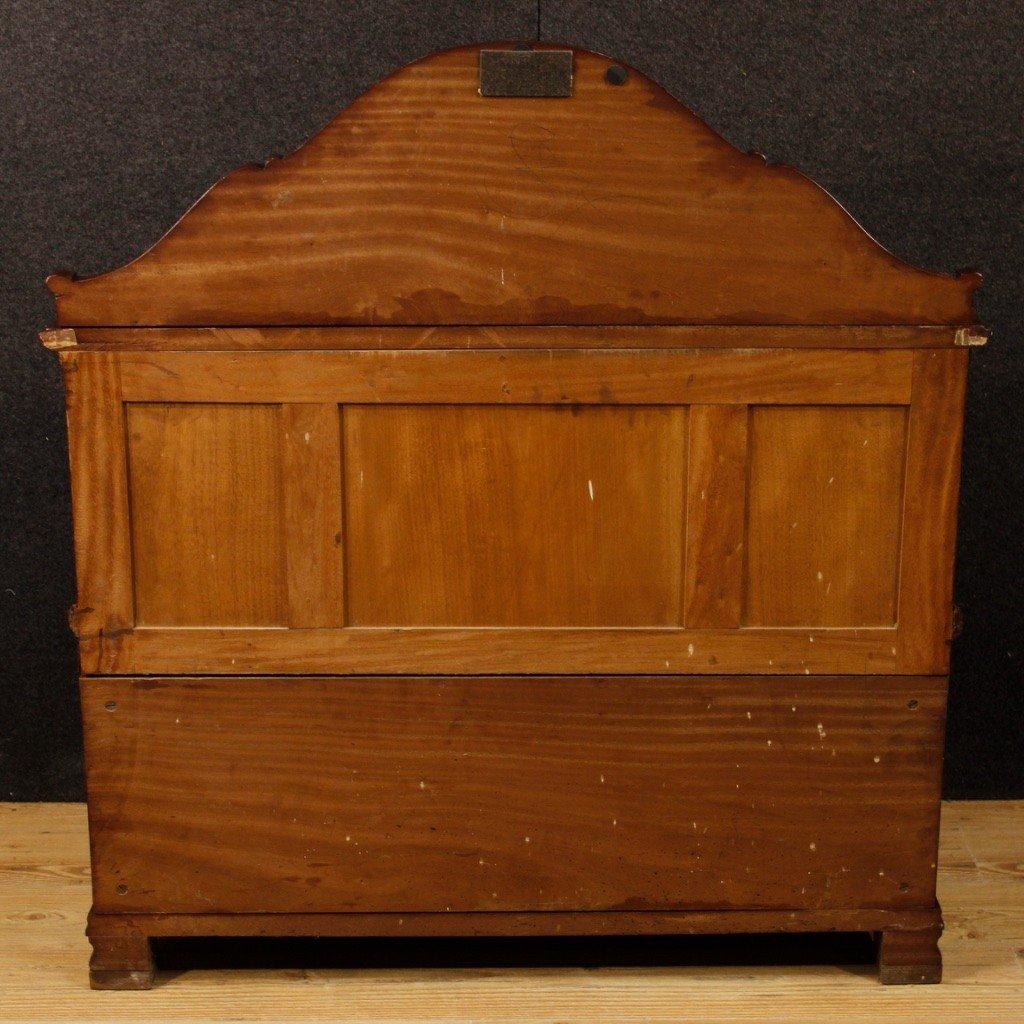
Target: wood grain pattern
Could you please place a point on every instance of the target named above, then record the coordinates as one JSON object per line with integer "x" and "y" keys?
{"x": 824, "y": 516}
{"x": 99, "y": 501}
{"x": 215, "y": 339}
{"x": 502, "y": 650}
{"x": 716, "y": 503}
{"x": 206, "y": 514}
{"x": 614, "y": 206}
{"x": 520, "y": 516}
{"x": 45, "y": 894}
{"x": 935, "y": 433}
{"x": 311, "y": 473}
{"x": 514, "y": 378}
{"x": 475, "y": 794}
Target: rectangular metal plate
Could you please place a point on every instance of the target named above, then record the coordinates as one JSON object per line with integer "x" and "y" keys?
{"x": 526, "y": 73}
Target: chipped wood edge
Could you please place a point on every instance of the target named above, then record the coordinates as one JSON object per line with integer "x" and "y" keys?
{"x": 59, "y": 338}
{"x": 970, "y": 337}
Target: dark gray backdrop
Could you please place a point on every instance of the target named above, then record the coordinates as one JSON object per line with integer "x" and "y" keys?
{"x": 115, "y": 117}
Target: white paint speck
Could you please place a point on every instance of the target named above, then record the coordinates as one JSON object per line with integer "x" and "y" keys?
{"x": 689, "y": 650}
{"x": 821, "y": 731}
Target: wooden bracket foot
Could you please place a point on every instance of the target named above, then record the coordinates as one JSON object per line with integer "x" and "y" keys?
{"x": 910, "y": 957}
{"x": 121, "y": 962}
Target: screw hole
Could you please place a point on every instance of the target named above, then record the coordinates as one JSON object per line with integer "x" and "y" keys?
{"x": 616, "y": 75}
{"x": 904, "y": 887}
{"x": 912, "y": 704}
{"x": 122, "y": 889}
{"x": 111, "y": 705}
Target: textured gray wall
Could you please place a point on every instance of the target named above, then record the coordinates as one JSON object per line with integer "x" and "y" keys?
{"x": 115, "y": 117}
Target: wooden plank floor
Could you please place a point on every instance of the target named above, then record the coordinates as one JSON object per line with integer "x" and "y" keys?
{"x": 44, "y": 896}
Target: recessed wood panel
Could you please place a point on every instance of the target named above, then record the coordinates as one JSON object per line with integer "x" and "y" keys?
{"x": 588, "y": 794}
{"x": 488, "y": 516}
{"x": 824, "y": 515}
{"x": 206, "y": 514}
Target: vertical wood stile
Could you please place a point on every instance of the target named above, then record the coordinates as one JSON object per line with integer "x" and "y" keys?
{"x": 311, "y": 472}
{"x": 715, "y": 516}
{"x": 930, "y": 494}
{"x": 99, "y": 494}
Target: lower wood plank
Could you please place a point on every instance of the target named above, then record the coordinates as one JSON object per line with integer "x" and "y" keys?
{"x": 501, "y": 650}
{"x": 430, "y": 794}
{"x": 683, "y": 922}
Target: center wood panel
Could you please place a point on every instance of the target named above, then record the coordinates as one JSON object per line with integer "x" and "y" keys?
{"x": 569, "y": 793}
{"x": 514, "y": 516}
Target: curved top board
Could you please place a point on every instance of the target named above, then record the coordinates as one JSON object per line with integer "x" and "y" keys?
{"x": 425, "y": 202}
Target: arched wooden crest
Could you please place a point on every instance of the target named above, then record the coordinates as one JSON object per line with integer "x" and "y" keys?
{"x": 425, "y": 202}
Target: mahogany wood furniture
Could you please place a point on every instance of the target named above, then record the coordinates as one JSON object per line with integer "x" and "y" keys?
{"x": 515, "y": 512}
